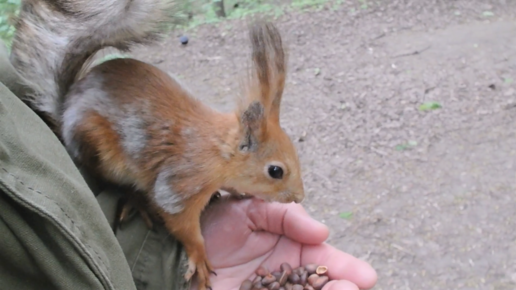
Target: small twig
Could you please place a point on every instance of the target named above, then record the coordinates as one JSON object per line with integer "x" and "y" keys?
{"x": 510, "y": 106}
{"x": 378, "y": 36}
{"x": 428, "y": 90}
{"x": 413, "y": 52}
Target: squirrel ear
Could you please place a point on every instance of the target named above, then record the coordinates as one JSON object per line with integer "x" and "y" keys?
{"x": 276, "y": 101}
{"x": 270, "y": 66}
{"x": 252, "y": 122}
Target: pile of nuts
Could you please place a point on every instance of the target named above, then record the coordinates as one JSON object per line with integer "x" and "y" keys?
{"x": 309, "y": 277}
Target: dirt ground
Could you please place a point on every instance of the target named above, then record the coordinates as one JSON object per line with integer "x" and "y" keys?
{"x": 427, "y": 197}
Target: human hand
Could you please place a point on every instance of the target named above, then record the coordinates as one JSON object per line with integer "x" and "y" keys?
{"x": 241, "y": 235}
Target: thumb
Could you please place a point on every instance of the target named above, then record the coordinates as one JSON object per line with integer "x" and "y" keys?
{"x": 340, "y": 285}
{"x": 290, "y": 220}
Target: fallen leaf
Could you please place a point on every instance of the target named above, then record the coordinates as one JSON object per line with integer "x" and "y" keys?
{"x": 430, "y": 106}
{"x": 401, "y": 147}
{"x": 346, "y": 215}
{"x": 405, "y": 146}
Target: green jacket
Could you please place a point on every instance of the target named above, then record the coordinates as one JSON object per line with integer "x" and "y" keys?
{"x": 55, "y": 228}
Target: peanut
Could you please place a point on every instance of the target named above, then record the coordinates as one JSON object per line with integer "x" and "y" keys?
{"x": 262, "y": 271}
{"x": 274, "y": 286}
{"x": 307, "y": 277}
{"x": 276, "y": 274}
{"x": 311, "y": 279}
{"x": 283, "y": 278}
{"x": 268, "y": 279}
{"x": 303, "y": 278}
{"x": 294, "y": 278}
{"x": 311, "y": 268}
{"x": 247, "y": 285}
{"x": 321, "y": 270}
{"x": 285, "y": 267}
{"x": 319, "y": 283}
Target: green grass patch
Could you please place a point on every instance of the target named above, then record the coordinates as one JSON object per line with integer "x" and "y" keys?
{"x": 8, "y": 11}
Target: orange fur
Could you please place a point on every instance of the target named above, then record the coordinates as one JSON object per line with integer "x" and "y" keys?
{"x": 102, "y": 146}
{"x": 187, "y": 151}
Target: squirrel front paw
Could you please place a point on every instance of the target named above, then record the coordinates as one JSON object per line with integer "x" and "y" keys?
{"x": 203, "y": 269}
{"x": 126, "y": 208}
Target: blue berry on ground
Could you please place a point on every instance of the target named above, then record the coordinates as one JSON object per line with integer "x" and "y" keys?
{"x": 184, "y": 40}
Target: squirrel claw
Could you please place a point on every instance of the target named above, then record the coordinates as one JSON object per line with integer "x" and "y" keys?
{"x": 125, "y": 211}
{"x": 203, "y": 269}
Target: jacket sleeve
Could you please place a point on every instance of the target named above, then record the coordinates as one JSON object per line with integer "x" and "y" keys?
{"x": 55, "y": 224}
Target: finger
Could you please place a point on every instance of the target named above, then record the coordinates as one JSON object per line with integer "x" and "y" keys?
{"x": 340, "y": 285}
{"x": 341, "y": 266}
{"x": 290, "y": 220}
{"x": 285, "y": 251}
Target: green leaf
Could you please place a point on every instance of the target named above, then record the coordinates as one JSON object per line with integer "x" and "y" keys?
{"x": 487, "y": 13}
{"x": 347, "y": 215}
{"x": 401, "y": 147}
{"x": 429, "y": 106}
{"x": 405, "y": 146}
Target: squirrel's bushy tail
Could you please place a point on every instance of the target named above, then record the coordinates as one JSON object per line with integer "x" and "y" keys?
{"x": 54, "y": 39}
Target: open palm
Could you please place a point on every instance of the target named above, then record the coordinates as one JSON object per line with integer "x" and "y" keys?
{"x": 241, "y": 235}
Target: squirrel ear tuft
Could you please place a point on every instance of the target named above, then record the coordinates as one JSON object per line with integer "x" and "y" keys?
{"x": 270, "y": 65}
{"x": 253, "y": 123}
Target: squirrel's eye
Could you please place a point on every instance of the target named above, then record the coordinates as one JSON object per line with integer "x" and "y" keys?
{"x": 275, "y": 172}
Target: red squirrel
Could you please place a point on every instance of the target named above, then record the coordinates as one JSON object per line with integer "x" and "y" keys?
{"x": 136, "y": 126}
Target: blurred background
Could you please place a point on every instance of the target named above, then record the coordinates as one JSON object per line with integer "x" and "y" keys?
{"x": 404, "y": 115}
